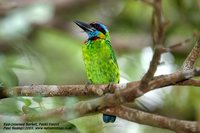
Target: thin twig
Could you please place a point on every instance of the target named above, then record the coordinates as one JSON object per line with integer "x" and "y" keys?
{"x": 192, "y": 57}
{"x": 157, "y": 23}
{"x": 158, "y": 27}
{"x": 152, "y": 67}
{"x": 180, "y": 43}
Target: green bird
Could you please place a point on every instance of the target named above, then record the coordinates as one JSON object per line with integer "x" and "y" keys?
{"x": 99, "y": 57}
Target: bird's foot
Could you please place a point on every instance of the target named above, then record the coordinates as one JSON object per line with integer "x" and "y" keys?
{"x": 110, "y": 87}
{"x": 87, "y": 84}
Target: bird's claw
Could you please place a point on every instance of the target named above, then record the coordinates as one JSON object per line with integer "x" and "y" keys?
{"x": 87, "y": 84}
{"x": 110, "y": 86}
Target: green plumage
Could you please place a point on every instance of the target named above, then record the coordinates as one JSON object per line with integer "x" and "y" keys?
{"x": 99, "y": 58}
{"x": 100, "y": 62}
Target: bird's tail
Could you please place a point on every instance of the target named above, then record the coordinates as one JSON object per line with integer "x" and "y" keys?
{"x": 109, "y": 118}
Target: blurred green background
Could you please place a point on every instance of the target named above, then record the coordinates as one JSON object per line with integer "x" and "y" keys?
{"x": 40, "y": 44}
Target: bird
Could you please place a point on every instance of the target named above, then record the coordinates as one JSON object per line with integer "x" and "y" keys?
{"x": 99, "y": 57}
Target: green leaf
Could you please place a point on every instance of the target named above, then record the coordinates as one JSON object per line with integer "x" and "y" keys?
{"x": 27, "y": 102}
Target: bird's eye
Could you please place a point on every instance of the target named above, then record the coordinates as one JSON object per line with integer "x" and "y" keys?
{"x": 98, "y": 27}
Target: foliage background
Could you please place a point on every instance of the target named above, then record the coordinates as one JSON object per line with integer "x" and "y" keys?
{"x": 40, "y": 44}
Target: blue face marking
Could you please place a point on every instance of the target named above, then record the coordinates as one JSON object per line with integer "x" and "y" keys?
{"x": 99, "y": 28}
{"x": 93, "y": 33}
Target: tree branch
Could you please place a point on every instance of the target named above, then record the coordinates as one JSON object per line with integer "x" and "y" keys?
{"x": 190, "y": 82}
{"x": 62, "y": 113}
{"x": 152, "y": 67}
{"x": 127, "y": 113}
{"x": 123, "y": 92}
{"x": 141, "y": 117}
{"x": 158, "y": 36}
{"x": 59, "y": 90}
{"x": 192, "y": 57}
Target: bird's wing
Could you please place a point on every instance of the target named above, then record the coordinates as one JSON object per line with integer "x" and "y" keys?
{"x": 112, "y": 52}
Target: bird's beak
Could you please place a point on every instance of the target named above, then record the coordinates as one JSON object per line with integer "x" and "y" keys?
{"x": 86, "y": 27}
